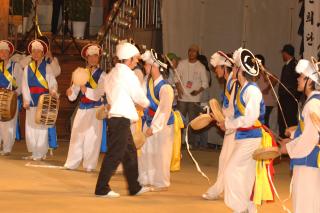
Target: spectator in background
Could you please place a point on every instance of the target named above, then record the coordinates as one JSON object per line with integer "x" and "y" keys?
{"x": 267, "y": 93}
{"x": 194, "y": 80}
{"x": 203, "y": 134}
{"x": 171, "y": 79}
{"x": 289, "y": 80}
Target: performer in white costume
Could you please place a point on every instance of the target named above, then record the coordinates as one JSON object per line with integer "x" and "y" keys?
{"x": 86, "y": 131}
{"x": 222, "y": 65}
{"x": 156, "y": 153}
{"x": 304, "y": 148}
{"x": 51, "y": 60}
{"x": 10, "y": 78}
{"x": 37, "y": 79}
{"x": 240, "y": 171}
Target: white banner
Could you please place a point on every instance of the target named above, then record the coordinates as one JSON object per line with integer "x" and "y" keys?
{"x": 311, "y": 29}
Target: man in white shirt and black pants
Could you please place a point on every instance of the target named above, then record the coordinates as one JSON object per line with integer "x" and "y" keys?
{"x": 123, "y": 90}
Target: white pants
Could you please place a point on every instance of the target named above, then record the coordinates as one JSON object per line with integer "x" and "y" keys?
{"x": 225, "y": 155}
{"x": 36, "y": 135}
{"x": 240, "y": 175}
{"x": 305, "y": 189}
{"x": 8, "y": 133}
{"x": 154, "y": 162}
{"x": 85, "y": 140}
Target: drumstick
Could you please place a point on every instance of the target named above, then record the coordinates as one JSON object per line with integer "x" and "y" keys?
{"x": 176, "y": 73}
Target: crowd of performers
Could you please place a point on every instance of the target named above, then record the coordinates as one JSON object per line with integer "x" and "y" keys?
{"x": 140, "y": 99}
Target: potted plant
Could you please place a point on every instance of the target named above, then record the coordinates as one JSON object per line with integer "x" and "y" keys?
{"x": 22, "y": 8}
{"x": 79, "y": 14}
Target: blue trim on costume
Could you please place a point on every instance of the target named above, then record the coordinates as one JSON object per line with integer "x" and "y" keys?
{"x": 153, "y": 106}
{"x": 312, "y": 159}
{"x": 4, "y": 83}
{"x": 96, "y": 76}
{"x": 52, "y": 137}
{"x": 33, "y": 82}
{"x": 18, "y": 131}
{"x": 104, "y": 147}
{"x": 253, "y": 133}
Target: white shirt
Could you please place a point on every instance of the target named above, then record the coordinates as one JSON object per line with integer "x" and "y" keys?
{"x": 123, "y": 90}
{"x": 252, "y": 97}
{"x": 195, "y": 74}
{"x": 269, "y": 98}
{"x": 303, "y": 145}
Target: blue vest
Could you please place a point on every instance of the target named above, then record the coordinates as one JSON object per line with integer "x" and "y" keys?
{"x": 4, "y": 83}
{"x": 225, "y": 99}
{"x": 250, "y": 133}
{"x": 34, "y": 82}
{"x": 312, "y": 159}
{"x": 88, "y": 104}
{"x": 151, "y": 110}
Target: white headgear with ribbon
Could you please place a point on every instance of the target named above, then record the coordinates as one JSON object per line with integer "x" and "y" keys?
{"x": 221, "y": 59}
{"x": 126, "y": 50}
{"x": 306, "y": 68}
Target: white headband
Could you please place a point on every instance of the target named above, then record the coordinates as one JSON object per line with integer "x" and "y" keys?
{"x": 36, "y": 45}
{"x": 93, "y": 50}
{"x": 4, "y": 46}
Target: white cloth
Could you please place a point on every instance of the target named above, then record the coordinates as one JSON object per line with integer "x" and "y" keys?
{"x": 36, "y": 135}
{"x": 123, "y": 89}
{"x": 305, "y": 197}
{"x": 85, "y": 140}
{"x": 225, "y": 155}
{"x": 86, "y": 134}
{"x": 305, "y": 189}
{"x": 240, "y": 175}
{"x": 252, "y": 97}
{"x": 8, "y": 133}
{"x": 154, "y": 162}
{"x": 194, "y": 73}
{"x": 55, "y": 66}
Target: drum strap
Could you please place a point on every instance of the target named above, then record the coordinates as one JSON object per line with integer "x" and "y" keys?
{"x": 38, "y": 74}
{"x": 92, "y": 82}
{"x": 8, "y": 75}
{"x": 178, "y": 125}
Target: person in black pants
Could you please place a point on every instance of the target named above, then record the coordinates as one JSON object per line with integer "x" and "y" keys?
{"x": 288, "y": 79}
{"x": 56, "y": 4}
{"x": 123, "y": 90}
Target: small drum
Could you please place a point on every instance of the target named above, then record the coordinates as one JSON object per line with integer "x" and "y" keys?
{"x": 139, "y": 139}
{"x": 47, "y": 110}
{"x": 216, "y": 110}
{"x": 80, "y": 76}
{"x": 201, "y": 121}
{"x": 102, "y": 112}
{"x": 8, "y": 104}
{"x": 268, "y": 153}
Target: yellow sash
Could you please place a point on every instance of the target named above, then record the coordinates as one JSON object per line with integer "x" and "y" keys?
{"x": 38, "y": 74}
{"x": 178, "y": 125}
{"x": 8, "y": 76}
{"x": 262, "y": 187}
{"x": 92, "y": 82}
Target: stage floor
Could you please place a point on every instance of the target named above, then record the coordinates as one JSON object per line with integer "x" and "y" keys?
{"x": 29, "y": 189}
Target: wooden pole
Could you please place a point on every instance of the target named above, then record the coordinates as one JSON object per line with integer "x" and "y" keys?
{"x": 4, "y": 19}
